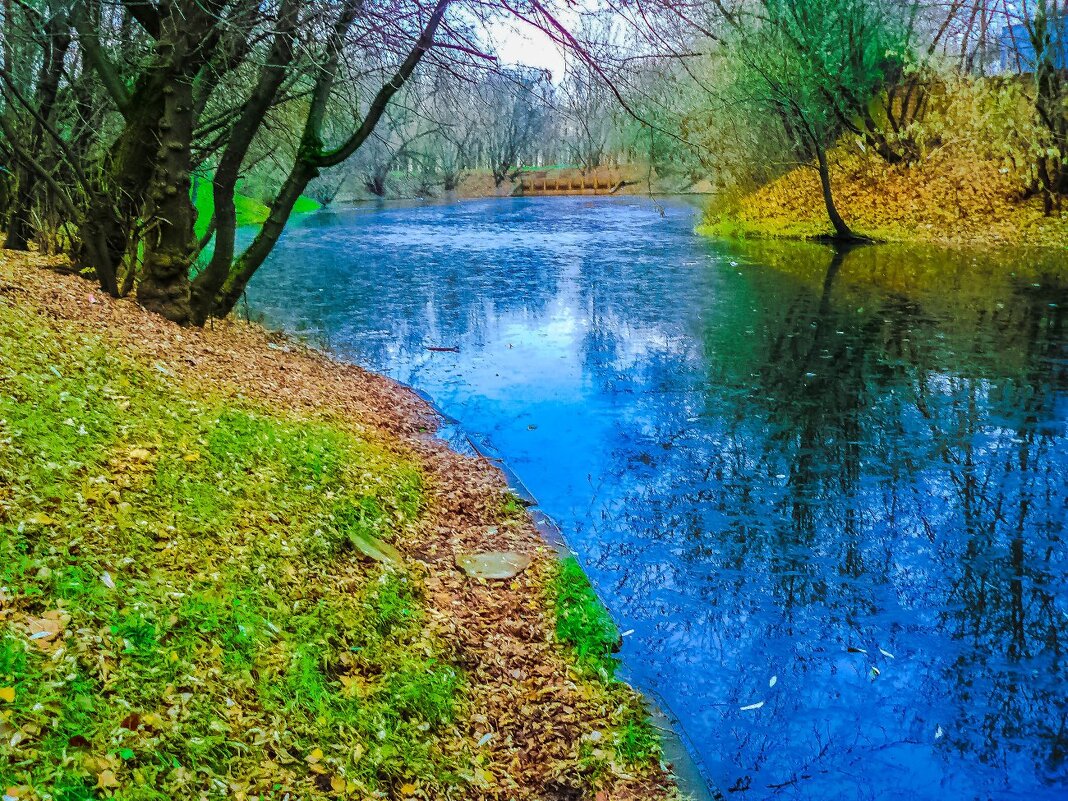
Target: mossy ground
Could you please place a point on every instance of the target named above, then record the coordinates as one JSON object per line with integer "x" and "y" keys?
{"x": 182, "y": 614}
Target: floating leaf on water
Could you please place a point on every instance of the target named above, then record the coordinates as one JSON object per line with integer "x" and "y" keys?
{"x": 874, "y": 673}
{"x": 627, "y": 633}
{"x": 773, "y": 681}
{"x": 887, "y": 654}
{"x": 939, "y": 733}
{"x": 494, "y": 564}
{"x": 854, "y": 650}
{"x": 376, "y": 549}
{"x": 751, "y": 707}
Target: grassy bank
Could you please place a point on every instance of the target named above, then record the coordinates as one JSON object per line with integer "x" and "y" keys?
{"x": 249, "y": 210}
{"x": 942, "y": 201}
{"x": 585, "y": 626}
{"x": 187, "y": 604}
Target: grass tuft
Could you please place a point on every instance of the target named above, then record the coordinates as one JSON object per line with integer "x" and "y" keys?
{"x": 583, "y": 623}
{"x": 586, "y": 627}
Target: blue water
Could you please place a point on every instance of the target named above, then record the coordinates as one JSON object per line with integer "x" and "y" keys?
{"x": 833, "y": 485}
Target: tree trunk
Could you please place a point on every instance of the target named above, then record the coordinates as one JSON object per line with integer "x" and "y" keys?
{"x": 311, "y": 156}
{"x": 256, "y": 253}
{"x": 211, "y": 279}
{"x": 19, "y": 229}
{"x": 170, "y": 245}
{"x": 94, "y": 251}
{"x": 841, "y": 230}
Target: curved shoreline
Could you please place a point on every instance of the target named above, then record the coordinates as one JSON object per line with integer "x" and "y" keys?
{"x": 689, "y": 773}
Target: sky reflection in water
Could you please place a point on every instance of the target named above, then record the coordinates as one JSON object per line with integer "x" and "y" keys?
{"x": 837, "y": 486}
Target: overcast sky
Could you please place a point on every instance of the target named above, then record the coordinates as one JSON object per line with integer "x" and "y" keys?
{"x": 523, "y": 44}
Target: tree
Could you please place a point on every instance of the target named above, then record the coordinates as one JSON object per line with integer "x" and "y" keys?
{"x": 1047, "y": 29}
{"x": 815, "y": 66}
{"x": 187, "y": 84}
{"x": 515, "y": 119}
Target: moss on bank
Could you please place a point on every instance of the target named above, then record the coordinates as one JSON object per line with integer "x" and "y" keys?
{"x": 249, "y": 210}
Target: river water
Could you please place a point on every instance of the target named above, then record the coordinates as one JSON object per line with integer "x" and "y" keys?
{"x": 826, "y": 494}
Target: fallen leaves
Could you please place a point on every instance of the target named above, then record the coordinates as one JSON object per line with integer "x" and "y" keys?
{"x": 955, "y": 200}
{"x": 40, "y": 519}
{"x": 525, "y": 710}
{"x": 375, "y": 548}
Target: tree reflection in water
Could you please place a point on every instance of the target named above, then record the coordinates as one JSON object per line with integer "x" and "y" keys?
{"x": 880, "y": 516}
{"x": 844, "y": 471}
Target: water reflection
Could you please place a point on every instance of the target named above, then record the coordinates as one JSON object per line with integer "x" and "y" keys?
{"x": 834, "y": 484}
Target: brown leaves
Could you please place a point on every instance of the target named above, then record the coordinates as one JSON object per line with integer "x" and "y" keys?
{"x": 45, "y": 632}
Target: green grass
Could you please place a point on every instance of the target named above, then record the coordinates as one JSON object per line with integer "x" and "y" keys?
{"x": 305, "y": 204}
{"x": 218, "y": 631}
{"x": 249, "y": 210}
{"x": 587, "y": 629}
{"x": 583, "y": 623}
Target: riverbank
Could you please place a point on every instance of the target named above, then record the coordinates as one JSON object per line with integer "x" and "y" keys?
{"x": 942, "y": 201}
{"x": 229, "y": 569}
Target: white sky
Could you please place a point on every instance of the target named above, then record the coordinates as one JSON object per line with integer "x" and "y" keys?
{"x": 519, "y": 43}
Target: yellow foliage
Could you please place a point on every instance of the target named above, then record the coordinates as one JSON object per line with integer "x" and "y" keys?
{"x": 977, "y": 142}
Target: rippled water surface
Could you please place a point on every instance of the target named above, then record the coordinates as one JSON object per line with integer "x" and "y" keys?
{"x": 835, "y": 486}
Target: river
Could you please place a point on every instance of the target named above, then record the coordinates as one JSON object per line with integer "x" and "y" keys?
{"x": 824, "y": 494}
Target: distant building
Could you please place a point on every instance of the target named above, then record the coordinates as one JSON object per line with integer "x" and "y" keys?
{"x": 1018, "y": 51}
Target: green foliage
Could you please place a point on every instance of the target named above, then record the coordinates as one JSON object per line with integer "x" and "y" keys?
{"x": 816, "y": 65}
{"x": 249, "y": 210}
{"x": 637, "y": 740}
{"x": 209, "y": 620}
{"x": 582, "y": 621}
